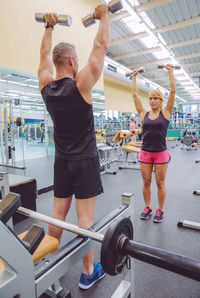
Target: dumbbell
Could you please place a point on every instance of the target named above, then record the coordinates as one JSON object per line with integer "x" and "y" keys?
{"x": 113, "y": 5}
{"x": 63, "y": 19}
{"x": 161, "y": 66}
{"x": 129, "y": 74}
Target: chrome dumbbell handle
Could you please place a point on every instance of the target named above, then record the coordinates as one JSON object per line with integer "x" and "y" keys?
{"x": 63, "y": 19}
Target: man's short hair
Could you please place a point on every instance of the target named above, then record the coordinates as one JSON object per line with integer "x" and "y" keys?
{"x": 61, "y": 51}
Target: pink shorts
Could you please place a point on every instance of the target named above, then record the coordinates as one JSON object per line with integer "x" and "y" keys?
{"x": 154, "y": 157}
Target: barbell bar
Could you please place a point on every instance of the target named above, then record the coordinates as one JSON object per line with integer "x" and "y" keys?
{"x": 61, "y": 224}
{"x": 113, "y": 6}
{"x": 63, "y": 19}
{"x": 118, "y": 246}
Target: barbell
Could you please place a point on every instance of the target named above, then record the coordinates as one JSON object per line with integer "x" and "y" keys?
{"x": 117, "y": 243}
{"x": 63, "y": 19}
{"x": 118, "y": 246}
{"x": 113, "y": 6}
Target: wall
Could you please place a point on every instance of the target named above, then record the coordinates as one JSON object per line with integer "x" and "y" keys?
{"x": 118, "y": 97}
{"x": 21, "y": 35}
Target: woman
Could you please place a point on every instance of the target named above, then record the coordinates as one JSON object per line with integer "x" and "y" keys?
{"x": 132, "y": 127}
{"x": 154, "y": 152}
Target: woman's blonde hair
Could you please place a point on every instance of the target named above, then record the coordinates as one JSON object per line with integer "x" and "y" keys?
{"x": 157, "y": 93}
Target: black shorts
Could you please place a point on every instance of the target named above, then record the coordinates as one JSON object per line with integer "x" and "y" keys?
{"x": 79, "y": 177}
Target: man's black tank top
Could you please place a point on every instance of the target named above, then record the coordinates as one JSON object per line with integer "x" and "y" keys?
{"x": 72, "y": 118}
{"x": 154, "y": 133}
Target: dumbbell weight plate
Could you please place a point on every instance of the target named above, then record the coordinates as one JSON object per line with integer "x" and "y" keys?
{"x": 65, "y": 20}
{"x": 111, "y": 260}
{"x": 115, "y": 5}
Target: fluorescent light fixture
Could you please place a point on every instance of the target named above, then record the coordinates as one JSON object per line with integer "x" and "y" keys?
{"x": 134, "y": 23}
{"x": 147, "y": 20}
{"x": 133, "y": 2}
{"x": 25, "y": 97}
{"x": 17, "y": 83}
{"x": 186, "y": 83}
{"x": 149, "y": 41}
{"x": 161, "y": 39}
{"x": 179, "y": 72}
{"x": 183, "y": 78}
{"x": 189, "y": 88}
{"x": 13, "y": 95}
{"x": 162, "y": 54}
{"x": 136, "y": 27}
{"x": 31, "y": 80}
{"x": 26, "y": 93}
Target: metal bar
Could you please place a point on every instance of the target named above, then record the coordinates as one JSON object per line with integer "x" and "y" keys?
{"x": 12, "y": 166}
{"x": 61, "y": 224}
{"x": 68, "y": 248}
{"x": 1, "y": 136}
{"x": 189, "y": 224}
{"x": 163, "y": 259}
{"x": 12, "y": 143}
{"x": 46, "y": 139}
{"x": 6, "y": 130}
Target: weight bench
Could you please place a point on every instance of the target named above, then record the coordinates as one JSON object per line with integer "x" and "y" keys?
{"x": 21, "y": 278}
{"x": 172, "y": 139}
{"x": 125, "y": 163}
{"x": 48, "y": 245}
{"x": 121, "y": 134}
{"x": 135, "y": 144}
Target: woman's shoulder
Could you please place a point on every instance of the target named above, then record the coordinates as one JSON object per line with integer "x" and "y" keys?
{"x": 166, "y": 115}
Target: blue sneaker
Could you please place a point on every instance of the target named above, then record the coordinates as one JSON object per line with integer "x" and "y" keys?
{"x": 87, "y": 281}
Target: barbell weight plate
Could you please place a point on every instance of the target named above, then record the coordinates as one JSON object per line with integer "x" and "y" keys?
{"x": 111, "y": 260}
{"x": 188, "y": 140}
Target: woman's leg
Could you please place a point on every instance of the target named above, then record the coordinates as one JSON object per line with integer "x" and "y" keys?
{"x": 146, "y": 172}
{"x": 160, "y": 174}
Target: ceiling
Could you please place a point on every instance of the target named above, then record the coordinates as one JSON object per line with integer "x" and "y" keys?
{"x": 148, "y": 33}
{"x": 173, "y": 27}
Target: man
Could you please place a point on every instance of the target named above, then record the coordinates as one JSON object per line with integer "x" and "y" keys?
{"x": 69, "y": 102}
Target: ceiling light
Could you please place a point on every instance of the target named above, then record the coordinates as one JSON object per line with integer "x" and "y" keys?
{"x": 161, "y": 39}
{"x": 161, "y": 54}
{"x": 149, "y": 41}
{"x": 147, "y": 20}
{"x": 183, "y": 78}
{"x": 134, "y": 2}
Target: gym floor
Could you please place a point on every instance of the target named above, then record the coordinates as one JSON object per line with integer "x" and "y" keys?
{"x": 150, "y": 281}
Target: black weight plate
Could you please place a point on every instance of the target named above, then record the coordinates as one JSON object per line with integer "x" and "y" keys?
{"x": 188, "y": 140}
{"x": 111, "y": 259}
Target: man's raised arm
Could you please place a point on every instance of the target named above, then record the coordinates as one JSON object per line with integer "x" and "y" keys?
{"x": 45, "y": 70}
{"x": 89, "y": 75}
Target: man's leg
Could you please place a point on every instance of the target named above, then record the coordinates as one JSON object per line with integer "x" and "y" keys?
{"x": 60, "y": 209}
{"x": 85, "y": 214}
